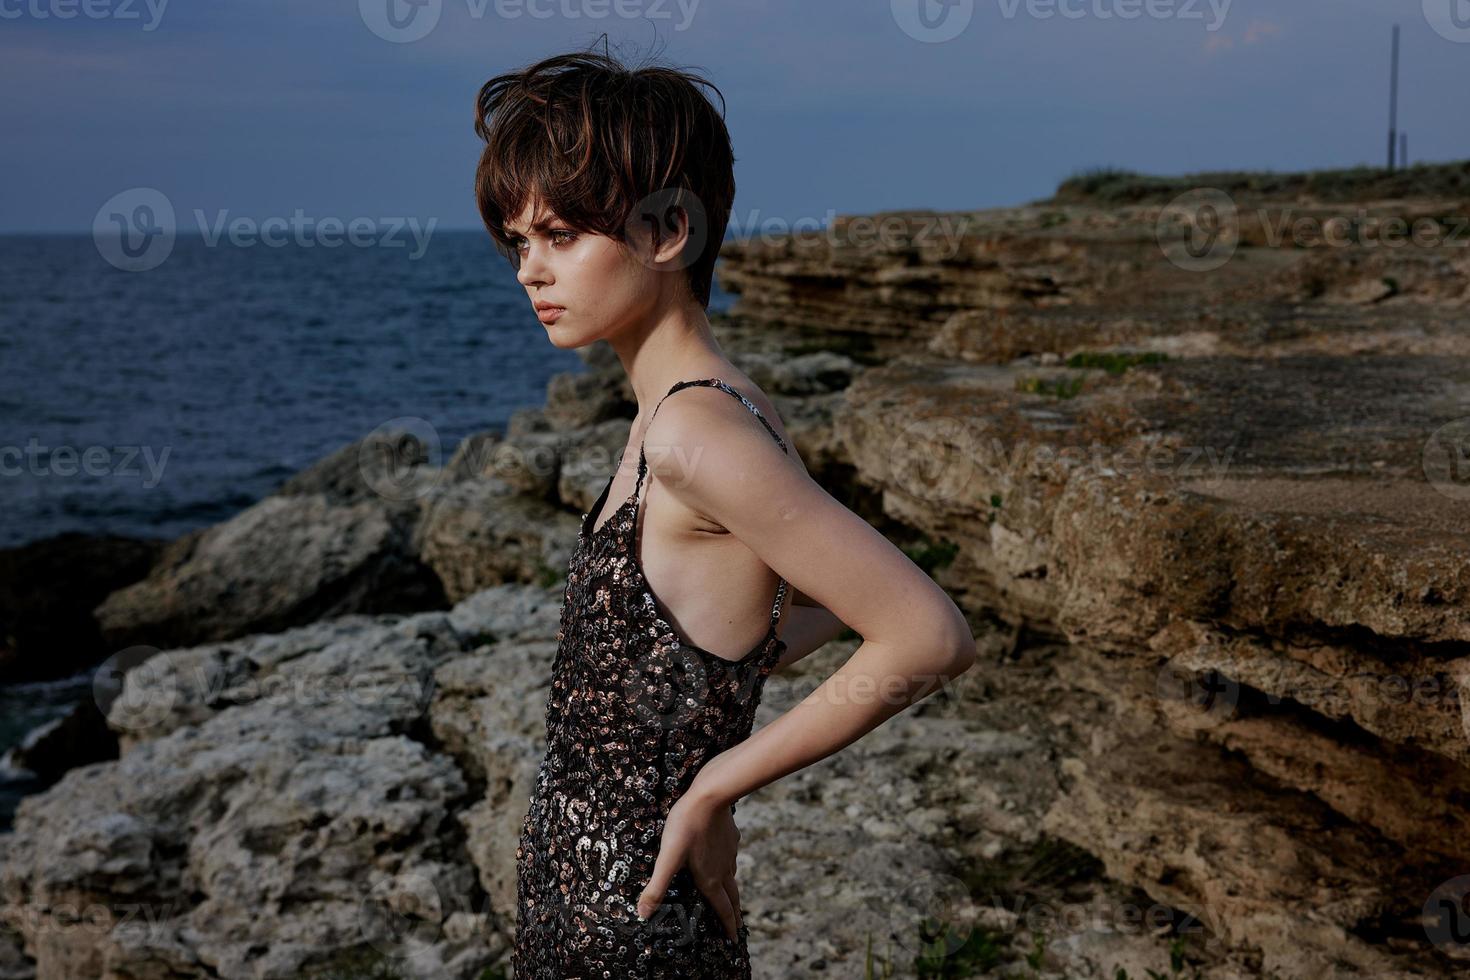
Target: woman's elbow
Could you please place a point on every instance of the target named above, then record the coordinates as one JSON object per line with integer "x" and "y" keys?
{"x": 958, "y": 645}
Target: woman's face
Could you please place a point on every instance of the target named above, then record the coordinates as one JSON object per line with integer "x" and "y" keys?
{"x": 600, "y": 286}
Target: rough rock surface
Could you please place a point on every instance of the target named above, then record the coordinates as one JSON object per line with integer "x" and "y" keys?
{"x": 345, "y": 797}
{"x": 1239, "y": 497}
{"x": 287, "y": 560}
{"x": 1209, "y": 525}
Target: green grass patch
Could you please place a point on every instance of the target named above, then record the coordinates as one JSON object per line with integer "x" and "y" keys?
{"x": 1115, "y": 362}
{"x": 1051, "y": 387}
{"x": 1112, "y": 185}
{"x": 1041, "y": 872}
{"x": 945, "y": 955}
{"x": 876, "y": 967}
{"x": 942, "y": 954}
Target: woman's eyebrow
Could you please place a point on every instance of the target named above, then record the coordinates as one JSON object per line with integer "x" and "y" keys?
{"x": 538, "y": 226}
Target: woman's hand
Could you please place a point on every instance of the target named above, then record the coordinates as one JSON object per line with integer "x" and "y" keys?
{"x": 701, "y": 833}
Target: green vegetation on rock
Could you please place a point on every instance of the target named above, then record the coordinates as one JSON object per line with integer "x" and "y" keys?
{"x": 1053, "y": 387}
{"x": 1112, "y": 185}
{"x": 1114, "y": 362}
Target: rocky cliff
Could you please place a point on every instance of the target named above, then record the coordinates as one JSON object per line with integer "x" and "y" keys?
{"x": 1191, "y": 454}
{"x": 1215, "y": 442}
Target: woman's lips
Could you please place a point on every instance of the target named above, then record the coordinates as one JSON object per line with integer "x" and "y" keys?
{"x": 550, "y": 314}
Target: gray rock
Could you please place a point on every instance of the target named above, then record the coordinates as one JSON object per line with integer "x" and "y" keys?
{"x": 288, "y": 560}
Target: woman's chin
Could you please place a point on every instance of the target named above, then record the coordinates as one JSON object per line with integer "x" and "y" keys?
{"x": 566, "y": 341}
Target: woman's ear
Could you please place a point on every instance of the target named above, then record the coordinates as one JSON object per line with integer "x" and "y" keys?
{"x": 674, "y": 236}
{"x": 677, "y": 218}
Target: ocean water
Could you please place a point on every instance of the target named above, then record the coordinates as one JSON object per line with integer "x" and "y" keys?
{"x": 152, "y": 403}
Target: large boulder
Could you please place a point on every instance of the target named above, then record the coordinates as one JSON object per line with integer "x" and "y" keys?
{"x": 285, "y": 561}
{"x": 48, "y": 589}
{"x": 283, "y": 808}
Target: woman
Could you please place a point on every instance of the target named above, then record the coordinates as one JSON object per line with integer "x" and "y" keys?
{"x": 609, "y": 189}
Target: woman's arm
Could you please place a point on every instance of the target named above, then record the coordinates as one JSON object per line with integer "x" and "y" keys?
{"x": 914, "y": 637}
{"x": 806, "y": 628}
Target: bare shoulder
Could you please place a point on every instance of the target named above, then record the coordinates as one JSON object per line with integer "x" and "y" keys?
{"x": 714, "y": 457}
{"x": 705, "y": 419}
{"x": 713, "y": 442}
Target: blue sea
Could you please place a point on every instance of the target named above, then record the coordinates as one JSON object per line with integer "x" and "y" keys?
{"x": 150, "y": 403}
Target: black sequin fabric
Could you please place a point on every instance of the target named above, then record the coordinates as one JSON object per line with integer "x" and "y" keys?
{"x": 633, "y": 713}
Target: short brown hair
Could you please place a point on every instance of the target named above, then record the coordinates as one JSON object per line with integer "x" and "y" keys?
{"x": 596, "y": 141}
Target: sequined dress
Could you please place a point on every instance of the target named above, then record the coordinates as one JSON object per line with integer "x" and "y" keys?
{"x": 633, "y": 713}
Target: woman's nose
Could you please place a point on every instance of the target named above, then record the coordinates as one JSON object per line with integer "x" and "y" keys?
{"x": 531, "y": 270}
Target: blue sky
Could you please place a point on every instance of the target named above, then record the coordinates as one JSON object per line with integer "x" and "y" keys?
{"x": 266, "y": 107}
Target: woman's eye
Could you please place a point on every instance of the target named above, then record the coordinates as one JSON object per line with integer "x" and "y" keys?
{"x": 558, "y": 237}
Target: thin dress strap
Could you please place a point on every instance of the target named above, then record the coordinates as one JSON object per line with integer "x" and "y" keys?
{"x": 643, "y": 464}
